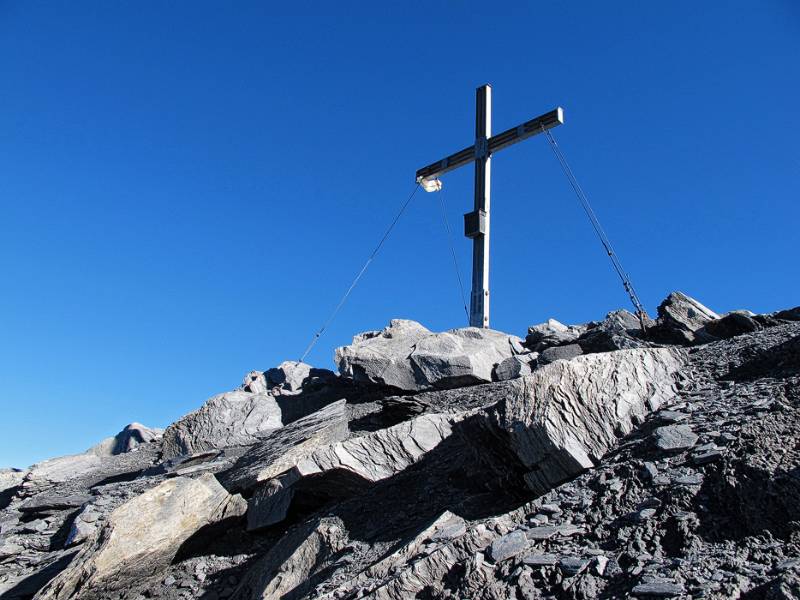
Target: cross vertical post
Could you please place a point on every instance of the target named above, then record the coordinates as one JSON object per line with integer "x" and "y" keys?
{"x": 477, "y": 222}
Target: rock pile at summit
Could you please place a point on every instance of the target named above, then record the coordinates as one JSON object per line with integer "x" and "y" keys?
{"x": 581, "y": 461}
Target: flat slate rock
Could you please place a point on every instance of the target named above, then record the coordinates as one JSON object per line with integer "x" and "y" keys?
{"x": 674, "y": 437}
{"x": 508, "y": 545}
{"x": 607, "y": 394}
{"x": 658, "y": 590}
{"x": 43, "y": 503}
{"x": 231, "y": 419}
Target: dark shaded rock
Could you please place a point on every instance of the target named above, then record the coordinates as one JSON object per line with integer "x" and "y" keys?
{"x": 658, "y": 590}
{"x": 292, "y": 376}
{"x": 515, "y": 366}
{"x": 540, "y": 560}
{"x": 269, "y": 504}
{"x": 790, "y": 314}
{"x": 555, "y": 353}
{"x": 572, "y": 566}
{"x": 551, "y": 333}
{"x": 126, "y": 440}
{"x": 509, "y": 545}
{"x": 732, "y": 324}
{"x": 680, "y": 319}
{"x": 284, "y": 448}
{"x": 45, "y": 503}
{"x": 620, "y": 330}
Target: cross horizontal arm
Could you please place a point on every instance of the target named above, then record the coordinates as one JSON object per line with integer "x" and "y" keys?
{"x": 495, "y": 143}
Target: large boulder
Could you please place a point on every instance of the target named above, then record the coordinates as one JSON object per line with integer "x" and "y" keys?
{"x": 285, "y": 570}
{"x": 555, "y": 353}
{"x": 565, "y": 416}
{"x": 61, "y": 469}
{"x": 126, "y": 440}
{"x": 515, "y": 366}
{"x": 350, "y": 464}
{"x": 10, "y": 478}
{"x": 292, "y": 376}
{"x": 230, "y": 419}
{"x": 255, "y": 382}
{"x": 284, "y": 448}
{"x": 141, "y": 537}
{"x": 620, "y": 330}
{"x": 408, "y": 356}
{"x": 552, "y": 333}
{"x": 732, "y": 324}
{"x": 681, "y": 320}
{"x": 790, "y": 314}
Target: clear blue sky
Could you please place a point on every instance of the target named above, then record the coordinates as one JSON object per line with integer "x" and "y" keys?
{"x": 188, "y": 188}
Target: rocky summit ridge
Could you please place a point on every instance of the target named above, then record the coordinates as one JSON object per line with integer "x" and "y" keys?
{"x": 583, "y": 461}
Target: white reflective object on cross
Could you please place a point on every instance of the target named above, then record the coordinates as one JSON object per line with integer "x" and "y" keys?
{"x": 431, "y": 185}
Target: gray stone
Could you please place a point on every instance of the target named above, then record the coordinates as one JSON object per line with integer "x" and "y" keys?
{"x": 270, "y": 503}
{"x": 515, "y": 366}
{"x": 231, "y": 419}
{"x": 620, "y": 330}
{"x": 693, "y": 479}
{"x": 649, "y": 471}
{"x": 549, "y": 355}
{"x": 571, "y": 566}
{"x": 142, "y": 536}
{"x": 292, "y": 376}
{"x": 565, "y": 416}
{"x": 381, "y": 454}
{"x": 704, "y": 458}
{"x": 508, "y": 545}
{"x": 255, "y": 382}
{"x": 551, "y": 333}
{"x": 546, "y": 532}
{"x": 658, "y": 590}
{"x": 127, "y": 440}
{"x": 9, "y": 549}
{"x": 282, "y": 449}
{"x": 540, "y": 560}
{"x": 84, "y": 526}
{"x": 61, "y": 469}
{"x": 287, "y": 565}
{"x": 671, "y": 416}
{"x": 550, "y": 509}
{"x": 600, "y": 564}
{"x": 445, "y": 528}
{"x": 10, "y": 478}
{"x": 369, "y": 458}
{"x": 674, "y": 437}
{"x": 408, "y": 356}
{"x": 681, "y": 318}
{"x": 46, "y": 502}
{"x": 644, "y": 514}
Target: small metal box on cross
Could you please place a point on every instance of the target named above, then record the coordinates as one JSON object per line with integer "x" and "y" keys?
{"x": 476, "y": 223}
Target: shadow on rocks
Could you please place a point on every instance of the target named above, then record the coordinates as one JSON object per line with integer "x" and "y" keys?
{"x": 297, "y": 406}
{"x": 28, "y": 587}
{"x": 743, "y": 500}
{"x": 780, "y": 361}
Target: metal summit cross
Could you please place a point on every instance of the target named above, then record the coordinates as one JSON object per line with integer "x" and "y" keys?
{"x": 476, "y": 223}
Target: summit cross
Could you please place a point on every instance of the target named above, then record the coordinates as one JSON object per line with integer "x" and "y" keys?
{"x": 476, "y": 223}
